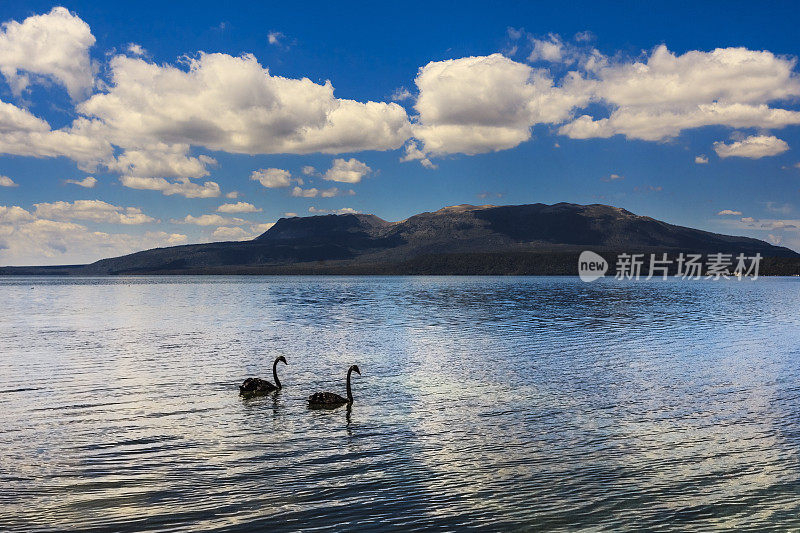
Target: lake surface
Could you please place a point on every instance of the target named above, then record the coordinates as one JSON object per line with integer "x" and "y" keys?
{"x": 486, "y": 403}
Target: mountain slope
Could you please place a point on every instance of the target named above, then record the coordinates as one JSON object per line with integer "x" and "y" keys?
{"x": 368, "y": 244}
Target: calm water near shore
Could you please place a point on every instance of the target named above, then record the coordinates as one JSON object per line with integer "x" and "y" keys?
{"x": 487, "y": 403}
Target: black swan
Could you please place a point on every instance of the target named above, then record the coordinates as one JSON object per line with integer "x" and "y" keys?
{"x": 258, "y": 386}
{"x": 329, "y": 400}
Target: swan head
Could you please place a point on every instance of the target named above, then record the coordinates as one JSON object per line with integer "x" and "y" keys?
{"x": 355, "y": 369}
{"x": 282, "y": 359}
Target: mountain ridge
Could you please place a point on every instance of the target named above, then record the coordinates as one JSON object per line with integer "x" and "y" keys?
{"x": 365, "y": 243}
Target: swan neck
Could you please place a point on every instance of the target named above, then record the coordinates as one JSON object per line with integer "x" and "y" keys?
{"x": 275, "y": 374}
{"x": 349, "y": 391}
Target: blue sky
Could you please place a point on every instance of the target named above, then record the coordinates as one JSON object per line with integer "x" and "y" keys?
{"x": 194, "y": 121}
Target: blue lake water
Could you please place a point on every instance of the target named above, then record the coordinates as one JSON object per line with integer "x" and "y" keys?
{"x": 486, "y": 403}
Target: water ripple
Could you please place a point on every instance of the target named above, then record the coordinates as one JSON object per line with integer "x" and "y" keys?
{"x": 497, "y": 404}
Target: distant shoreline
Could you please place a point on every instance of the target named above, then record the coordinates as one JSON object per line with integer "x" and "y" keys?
{"x": 454, "y": 264}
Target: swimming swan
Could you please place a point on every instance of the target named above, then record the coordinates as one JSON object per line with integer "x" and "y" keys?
{"x": 258, "y": 386}
{"x": 329, "y": 400}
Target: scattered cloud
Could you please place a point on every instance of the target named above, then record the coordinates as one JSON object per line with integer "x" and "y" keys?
{"x": 147, "y": 122}
{"x": 210, "y": 220}
{"x": 272, "y": 178}
{"x": 87, "y": 183}
{"x": 236, "y": 233}
{"x": 342, "y": 211}
{"x": 660, "y": 96}
{"x": 648, "y": 188}
{"x": 27, "y": 135}
{"x": 290, "y": 214}
{"x": 514, "y": 33}
{"x": 725, "y": 212}
{"x": 299, "y": 192}
{"x": 778, "y": 231}
{"x": 183, "y": 186}
{"x": 227, "y": 233}
{"x": 753, "y": 147}
{"x": 161, "y": 160}
{"x": 14, "y": 214}
{"x": 347, "y": 171}
{"x": 413, "y": 153}
{"x": 323, "y": 193}
{"x": 261, "y": 228}
{"x": 233, "y": 104}
{"x": 26, "y": 239}
{"x": 482, "y": 104}
{"x": 484, "y": 195}
{"x": 400, "y": 94}
{"x": 550, "y": 49}
{"x": 613, "y": 177}
{"x": 238, "y": 207}
{"x": 54, "y": 45}
{"x": 775, "y": 207}
{"x": 156, "y": 115}
{"x": 92, "y": 210}
{"x": 770, "y": 224}
{"x": 335, "y": 191}
{"x": 136, "y": 49}
{"x": 486, "y": 103}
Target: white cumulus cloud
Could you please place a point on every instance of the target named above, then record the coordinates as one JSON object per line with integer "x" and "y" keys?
{"x": 550, "y": 49}
{"x": 753, "y": 147}
{"x": 487, "y": 103}
{"x": 28, "y": 240}
{"x": 91, "y": 210}
{"x": 54, "y": 45}
{"x": 210, "y": 220}
{"x": 183, "y": 186}
{"x": 299, "y": 192}
{"x": 87, "y": 183}
{"x": 228, "y": 233}
{"x": 27, "y": 135}
{"x": 347, "y": 171}
{"x": 233, "y": 104}
{"x": 238, "y": 207}
{"x": 413, "y": 153}
{"x": 236, "y": 233}
{"x": 136, "y": 49}
{"x": 272, "y": 178}
{"x": 342, "y": 211}
{"x": 662, "y": 95}
{"x": 161, "y": 160}
{"x": 400, "y": 94}
{"x": 14, "y": 213}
